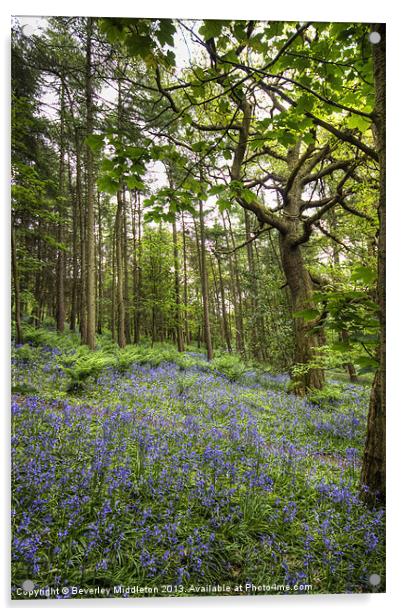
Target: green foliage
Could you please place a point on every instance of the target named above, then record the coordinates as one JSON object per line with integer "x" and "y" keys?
{"x": 309, "y": 314}
{"x": 212, "y": 28}
{"x": 143, "y": 39}
{"x": 329, "y": 396}
{"x": 229, "y": 365}
{"x": 88, "y": 365}
{"x": 25, "y": 353}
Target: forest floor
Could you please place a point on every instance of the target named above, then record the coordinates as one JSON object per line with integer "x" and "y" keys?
{"x": 168, "y": 478}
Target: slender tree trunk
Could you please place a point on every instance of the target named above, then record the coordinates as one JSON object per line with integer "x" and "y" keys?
{"x": 82, "y": 241}
{"x": 134, "y": 277}
{"x": 125, "y": 265}
{"x": 179, "y": 328}
{"x": 113, "y": 307}
{"x": 185, "y": 283}
{"x": 236, "y": 293}
{"x": 373, "y": 469}
{"x": 215, "y": 306}
{"x": 253, "y": 291}
{"x": 17, "y": 302}
{"x": 60, "y": 307}
{"x": 204, "y": 284}
{"x": 226, "y": 327}
{"x": 38, "y": 286}
{"x": 138, "y": 297}
{"x": 100, "y": 277}
{"x": 73, "y": 196}
{"x": 90, "y": 254}
{"x": 121, "y": 330}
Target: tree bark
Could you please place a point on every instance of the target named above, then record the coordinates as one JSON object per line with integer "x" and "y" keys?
{"x": 253, "y": 309}
{"x": 100, "y": 277}
{"x": 121, "y": 330}
{"x": 204, "y": 285}
{"x": 236, "y": 289}
{"x": 60, "y": 307}
{"x": 17, "y": 303}
{"x": 179, "y": 328}
{"x": 226, "y": 328}
{"x": 306, "y": 341}
{"x": 113, "y": 302}
{"x": 90, "y": 232}
{"x": 373, "y": 469}
{"x": 73, "y": 196}
{"x": 82, "y": 245}
{"x": 185, "y": 284}
{"x": 125, "y": 267}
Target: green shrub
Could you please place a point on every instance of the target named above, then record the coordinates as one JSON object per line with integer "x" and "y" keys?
{"x": 328, "y": 396}
{"x": 88, "y": 365}
{"x": 25, "y": 353}
{"x": 229, "y": 365}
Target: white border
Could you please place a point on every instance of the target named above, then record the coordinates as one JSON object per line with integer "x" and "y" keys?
{"x": 339, "y": 10}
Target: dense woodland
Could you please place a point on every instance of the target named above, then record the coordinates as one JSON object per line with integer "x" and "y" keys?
{"x": 218, "y": 185}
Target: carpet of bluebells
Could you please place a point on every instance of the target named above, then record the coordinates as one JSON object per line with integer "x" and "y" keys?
{"x": 164, "y": 475}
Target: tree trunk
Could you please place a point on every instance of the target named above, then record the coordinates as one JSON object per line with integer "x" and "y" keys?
{"x": 100, "y": 278}
{"x": 373, "y": 469}
{"x": 253, "y": 310}
{"x": 125, "y": 266}
{"x": 349, "y": 367}
{"x": 226, "y": 328}
{"x": 179, "y": 328}
{"x": 204, "y": 285}
{"x": 60, "y": 307}
{"x": 82, "y": 233}
{"x": 38, "y": 287}
{"x": 73, "y": 196}
{"x": 121, "y": 330}
{"x": 306, "y": 341}
{"x": 236, "y": 290}
{"x": 113, "y": 306}
{"x": 17, "y": 303}
{"x": 90, "y": 254}
{"x": 138, "y": 297}
{"x": 185, "y": 284}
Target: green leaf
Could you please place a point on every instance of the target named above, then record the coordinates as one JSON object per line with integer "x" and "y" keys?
{"x": 135, "y": 183}
{"x": 365, "y": 274}
{"x": 166, "y": 32}
{"x": 341, "y": 346}
{"x": 309, "y": 314}
{"x": 139, "y": 45}
{"x": 217, "y": 190}
{"x": 200, "y": 146}
{"x": 359, "y": 122}
{"x": 95, "y": 142}
{"x": 223, "y": 204}
{"x": 305, "y": 103}
{"x": 212, "y": 28}
{"x": 108, "y": 165}
{"x": 108, "y": 185}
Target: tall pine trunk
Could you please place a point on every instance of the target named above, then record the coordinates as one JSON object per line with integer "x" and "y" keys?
{"x": 90, "y": 221}
{"x": 73, "y": 197}
{"x": 17, "y": 302}
{"x": 121, "y": 330}
{"x": 100, "y": 277}
{"x": 60, "y": 307}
